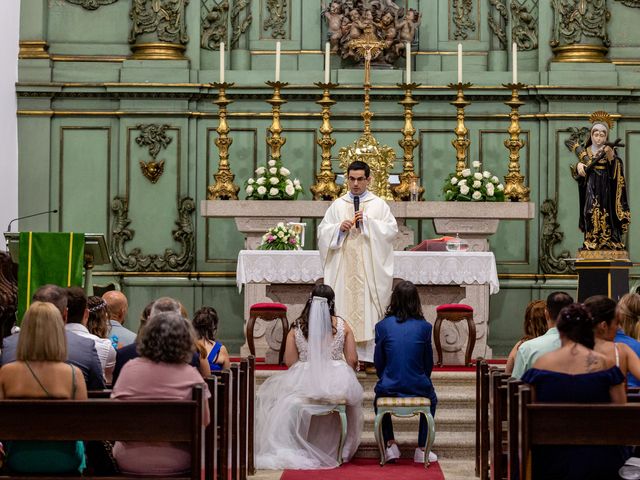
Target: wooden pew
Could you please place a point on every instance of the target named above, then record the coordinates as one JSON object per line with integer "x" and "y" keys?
{"x": 251, "y": 414}
{"x": 497, "y": 425}
{"x": 513, "y": 403}
{"x": 139, "y": 421}
{"x": 235, "y": 422}
{"x": 573, "y": 424}
{"x": 482, "y": 419}
{"x": 211, "y": 435}
{"x": 244, "y": 418}
{"x": 224, "y": 423}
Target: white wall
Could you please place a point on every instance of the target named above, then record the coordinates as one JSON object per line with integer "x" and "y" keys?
{"x": 9, "y": 35}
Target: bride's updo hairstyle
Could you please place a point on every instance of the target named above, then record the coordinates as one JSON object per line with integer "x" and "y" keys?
{"x": 575, "y": 324}
{"x": 320, "y": 290}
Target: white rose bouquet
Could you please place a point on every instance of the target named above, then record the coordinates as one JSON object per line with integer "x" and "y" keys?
{"x": 272, "y": 183}
{"x": 280, "y": 237}
{"x": 468, "y": 186}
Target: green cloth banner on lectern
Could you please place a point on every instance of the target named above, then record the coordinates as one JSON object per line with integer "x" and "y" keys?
{"x": 48, "y": 257}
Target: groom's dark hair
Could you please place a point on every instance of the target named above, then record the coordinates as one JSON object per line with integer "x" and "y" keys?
{"x": 405, "y": 302}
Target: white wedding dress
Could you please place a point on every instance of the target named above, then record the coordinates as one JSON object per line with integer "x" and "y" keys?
{"x": 289, "y": 431}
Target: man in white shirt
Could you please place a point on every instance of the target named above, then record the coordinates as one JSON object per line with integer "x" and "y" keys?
{"x": 533, "y": 349}
{"x": 77, "y": 317}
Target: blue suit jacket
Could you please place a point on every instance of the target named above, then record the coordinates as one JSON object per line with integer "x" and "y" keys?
{"x": 404, "y": 358}
{"x": 81, "y": 352}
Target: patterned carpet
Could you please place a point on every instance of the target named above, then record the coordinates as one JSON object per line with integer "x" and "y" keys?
{"x": 370, "y": 469}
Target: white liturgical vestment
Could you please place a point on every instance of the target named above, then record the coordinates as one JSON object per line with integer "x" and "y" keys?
{"x": 358, "y": 264}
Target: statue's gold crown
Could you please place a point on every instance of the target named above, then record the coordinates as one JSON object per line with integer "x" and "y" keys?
{"x": 600, "y": 116}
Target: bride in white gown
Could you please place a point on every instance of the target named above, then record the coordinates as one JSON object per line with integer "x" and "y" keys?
{"x": 291, "y": 431}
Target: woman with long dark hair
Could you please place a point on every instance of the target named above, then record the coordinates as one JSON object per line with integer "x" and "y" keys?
{"x": 575, "y": 373}
{"x": 291, "y": 428}
{"x": 404, "y": 361}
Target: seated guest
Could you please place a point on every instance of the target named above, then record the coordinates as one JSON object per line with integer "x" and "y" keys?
{"x": 77, "y": 318}
{"x": 605, "y": 324}
{"x": 535, "y": 325}
{"x": 165, "y": 344}
{"x": 628, "y": 312}
{"x": 205, "y": 323}
{"x": 8, "y": 294}
{"x": 404, "y": 360}
{"x": 291, "y": 428}
{"x": 129, "y": 352}
{"x": 575, "y": 373}
{"x": 81, "y": 351}
{"x": 40, "y": 372}
{"x": 118, "y": 306}
{"x": 533, "y": 349}
{"x": 98, "y": 322}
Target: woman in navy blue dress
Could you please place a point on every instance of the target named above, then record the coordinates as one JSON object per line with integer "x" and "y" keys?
{"x": 575, "y": 373}
{"x": 404, "y": 360}
{"x": 205, "y": 322}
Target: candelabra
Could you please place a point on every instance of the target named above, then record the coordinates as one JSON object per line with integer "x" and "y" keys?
{"x": 409, "y": 187}
{"x": 461, "y": 142}
{"x": 514, "y": 181}
{"x": 325, "y": 187}
{"x": 275, "y": 141}
{"x": 223, "y": 188}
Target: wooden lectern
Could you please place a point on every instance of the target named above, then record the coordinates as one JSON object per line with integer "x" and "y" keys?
{"x": 95, "y": 253}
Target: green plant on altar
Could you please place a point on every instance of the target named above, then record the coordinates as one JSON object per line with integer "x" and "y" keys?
{"x": 272, "y": 183}
{"x": 280, "y": 237}
{"x": 468, "y": 186}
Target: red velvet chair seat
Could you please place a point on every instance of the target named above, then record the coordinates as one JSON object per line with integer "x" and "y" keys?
{"x": 454, "y": 307}
{"x": 269, "y": 306}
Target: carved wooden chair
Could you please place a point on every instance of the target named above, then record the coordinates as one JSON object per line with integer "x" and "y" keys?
{"x": 268, "y": 312}
{"x": 455, "y": 312}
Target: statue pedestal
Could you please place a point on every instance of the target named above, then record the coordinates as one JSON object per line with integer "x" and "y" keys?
{"x": 603, "y": 276}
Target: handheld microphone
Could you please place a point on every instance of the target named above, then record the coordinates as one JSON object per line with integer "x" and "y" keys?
{"x": 55, "y": 210}
{"x": 356, "y": 207}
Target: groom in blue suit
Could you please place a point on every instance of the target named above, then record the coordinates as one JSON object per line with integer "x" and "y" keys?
{"x": 404, "y": 360}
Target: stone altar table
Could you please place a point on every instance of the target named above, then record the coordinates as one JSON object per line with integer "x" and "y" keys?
{"x": 475, "y": 221}
{"x": 442, "y": 277}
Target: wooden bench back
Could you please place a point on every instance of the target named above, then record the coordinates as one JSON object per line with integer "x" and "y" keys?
{"x": 224, "y": 423}
{"x": 499, "y": 415}
{"x": 93, "y": 419}
{"x": 573, "y": 424}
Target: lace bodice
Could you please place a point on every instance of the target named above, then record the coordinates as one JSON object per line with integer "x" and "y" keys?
{"x": 337, "y": 346}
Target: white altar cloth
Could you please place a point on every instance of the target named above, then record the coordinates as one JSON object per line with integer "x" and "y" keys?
{"x": 421, "y": 268}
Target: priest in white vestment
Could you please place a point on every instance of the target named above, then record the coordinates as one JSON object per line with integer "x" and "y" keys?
{"x": 358, "y": 259}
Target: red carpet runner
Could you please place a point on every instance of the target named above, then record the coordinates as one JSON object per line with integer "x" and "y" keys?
{"x": 370, "y": 469}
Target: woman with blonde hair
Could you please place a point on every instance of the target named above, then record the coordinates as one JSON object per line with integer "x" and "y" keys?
{"x": 40, "y": 372}
{"x": 535, "y": 325}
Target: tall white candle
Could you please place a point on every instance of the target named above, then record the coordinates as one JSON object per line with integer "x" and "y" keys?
{"x": 514, "y": 54}
{"x": 221, "y": 62}
{"x": 459, "y": 63}
{"x": 327, "y": 62}
{"x": 408, "y": 51}
{"x": 277, "y": 61}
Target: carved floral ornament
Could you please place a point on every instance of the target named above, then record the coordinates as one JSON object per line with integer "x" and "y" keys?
{"x": 215, "y": 18}
{"x": 276, "y": 20}
{"x": 91, "y": 4}
{"x": 164, "y": 17}
{"x": 348, "y": 20}
{"x": 154, "y": 137}
{"x": 136, "y": 261}
{"x": 578, "y": 21}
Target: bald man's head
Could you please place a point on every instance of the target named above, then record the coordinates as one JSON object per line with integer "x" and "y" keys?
{"x": 117, "y": 305}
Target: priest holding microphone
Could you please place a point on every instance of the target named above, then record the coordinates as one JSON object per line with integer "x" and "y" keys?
{"x": 355, "y": 239}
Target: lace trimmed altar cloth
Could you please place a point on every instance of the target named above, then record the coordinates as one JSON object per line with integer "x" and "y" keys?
{"x": 421, "y": 268}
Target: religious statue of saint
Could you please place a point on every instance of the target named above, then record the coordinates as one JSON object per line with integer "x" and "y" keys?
{"x": 604, "y": 211}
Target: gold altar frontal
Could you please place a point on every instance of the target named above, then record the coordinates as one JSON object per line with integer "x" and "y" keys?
{"x": 603, "y": 272}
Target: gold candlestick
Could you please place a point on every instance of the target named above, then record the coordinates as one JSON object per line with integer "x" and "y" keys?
{"x": 409, "y": 187}
{"x": 461, "y": 142}
{"x": 514, "y": 188}
{"x": 223, "y": 188}
{"x": 325, "y": 187}
{"x": 275, "y": 141}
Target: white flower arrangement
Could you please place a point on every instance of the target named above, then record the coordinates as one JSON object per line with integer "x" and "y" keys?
{"x": 272, "y": 183}
{"x": 478, "y": 186}
{"x": 280, "y": 237}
